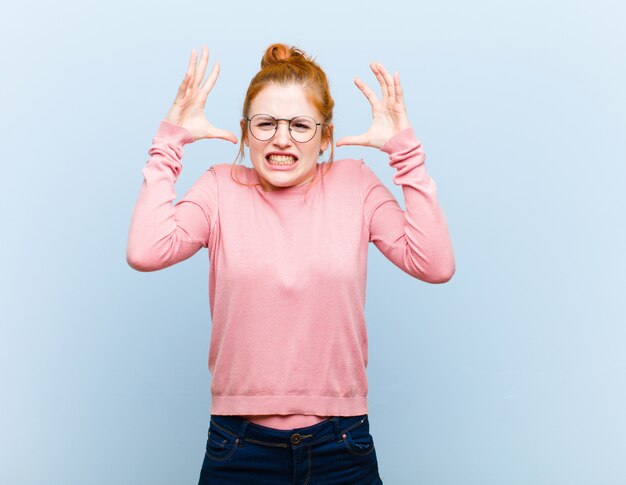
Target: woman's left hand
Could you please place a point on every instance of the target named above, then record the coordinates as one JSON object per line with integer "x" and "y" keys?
{"x": 389, "y": 113}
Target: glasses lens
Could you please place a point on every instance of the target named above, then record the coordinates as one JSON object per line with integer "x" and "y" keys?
{"x": 303, "y": 128}
{"x": 263, "y": 127}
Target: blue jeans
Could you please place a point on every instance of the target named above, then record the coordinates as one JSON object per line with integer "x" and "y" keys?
{"x": 337, "y": 451}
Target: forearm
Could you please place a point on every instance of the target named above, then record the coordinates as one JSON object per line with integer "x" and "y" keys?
{"x": 155, "y": 237}
{"x": 416, "y": 239}
{"x": 428, "y": 248}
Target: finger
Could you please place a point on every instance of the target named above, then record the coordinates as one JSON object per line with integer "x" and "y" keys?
{"x": 210, "y": 82}
{"x": 192, "y": 67}
{"x": 352, "y": 140}
{"x": 388, "y": 80}
{"x": 204, "y": 60}
{"x": 381, "y": 79}
{"x": 191, "y": 62}
{"x": 398, "y": 88}
{"x": 182, "y": 89}
{"x": 226, "y": 135}
{"x": 369, "y": 94}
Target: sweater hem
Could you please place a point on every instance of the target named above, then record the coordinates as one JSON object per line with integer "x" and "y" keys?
{"x": 313, "y": 405}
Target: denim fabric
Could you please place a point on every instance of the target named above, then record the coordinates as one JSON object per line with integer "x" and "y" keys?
{"x": 337, "y": 451}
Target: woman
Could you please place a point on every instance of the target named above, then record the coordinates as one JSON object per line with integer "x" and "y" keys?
{"x": 287, "y": 242}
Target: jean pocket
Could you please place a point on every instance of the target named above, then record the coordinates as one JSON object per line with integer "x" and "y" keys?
{"x": 220, "y": 444}
{"x": 358, "y": 440}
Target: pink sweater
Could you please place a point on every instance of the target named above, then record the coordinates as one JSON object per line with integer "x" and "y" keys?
{"x": 287, "y": 275}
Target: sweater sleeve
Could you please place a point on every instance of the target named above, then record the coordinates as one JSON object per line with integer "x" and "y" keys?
{"x": 417, "y": 239}
{"x": 161, "y": 233}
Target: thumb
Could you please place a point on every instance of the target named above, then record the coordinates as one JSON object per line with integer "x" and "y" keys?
{"x": 226, "y": 135}
{"x": 352, "y": 140}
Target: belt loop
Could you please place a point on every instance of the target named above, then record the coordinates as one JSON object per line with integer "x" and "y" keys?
{"x": 242, "y": 433}
{"x": 336, "y": 425}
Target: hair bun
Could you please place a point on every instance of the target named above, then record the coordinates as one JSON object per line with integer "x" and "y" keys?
{"x": 277, "y": 53}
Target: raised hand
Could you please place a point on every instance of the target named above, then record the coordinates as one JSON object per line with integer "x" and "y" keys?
{"x": 188, "y": 108}
{"x": 389, "y": 113}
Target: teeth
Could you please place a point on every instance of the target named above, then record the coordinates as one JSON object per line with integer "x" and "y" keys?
{"x": 281, "y": 159}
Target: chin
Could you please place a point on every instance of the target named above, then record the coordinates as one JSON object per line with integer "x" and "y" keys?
{"x": 281, "y": 183}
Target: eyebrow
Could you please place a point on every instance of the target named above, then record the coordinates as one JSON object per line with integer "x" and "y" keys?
{"x": 314, "y": 118}
{"x": 284, "y": 117}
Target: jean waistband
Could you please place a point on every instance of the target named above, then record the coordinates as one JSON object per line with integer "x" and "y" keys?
{"x": 325, "y": 430}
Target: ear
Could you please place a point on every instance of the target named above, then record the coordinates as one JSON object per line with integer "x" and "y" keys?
{"x": 244, "y": 132}
{"x": 327, "y": 134}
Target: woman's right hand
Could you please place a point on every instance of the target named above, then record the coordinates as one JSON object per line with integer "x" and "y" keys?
{"x": 188, "y": 108}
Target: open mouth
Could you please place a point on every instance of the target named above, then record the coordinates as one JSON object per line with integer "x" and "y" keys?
{"x": 281, "y": 160}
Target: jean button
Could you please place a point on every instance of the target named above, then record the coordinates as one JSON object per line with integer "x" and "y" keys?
{"x": 295, "y": 439}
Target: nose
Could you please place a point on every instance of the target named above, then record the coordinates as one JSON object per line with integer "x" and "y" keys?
{"x": 282, "y": 136}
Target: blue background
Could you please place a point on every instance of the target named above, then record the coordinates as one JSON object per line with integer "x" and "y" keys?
{"x": 512, "y": 373}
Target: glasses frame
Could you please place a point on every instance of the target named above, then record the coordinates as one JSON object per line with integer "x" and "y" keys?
{"x": 278, "y": 120}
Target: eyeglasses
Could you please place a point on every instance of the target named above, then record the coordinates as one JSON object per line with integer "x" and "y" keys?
{"x": 302, "y": 128}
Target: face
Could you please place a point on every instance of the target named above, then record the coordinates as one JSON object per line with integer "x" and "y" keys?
{"x": 284, "y": 102}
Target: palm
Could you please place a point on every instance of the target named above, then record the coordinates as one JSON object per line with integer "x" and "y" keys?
{"x": 188, "y": 108}
{"x": 197, "y": 123}
{"x": 389, "y": 115}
